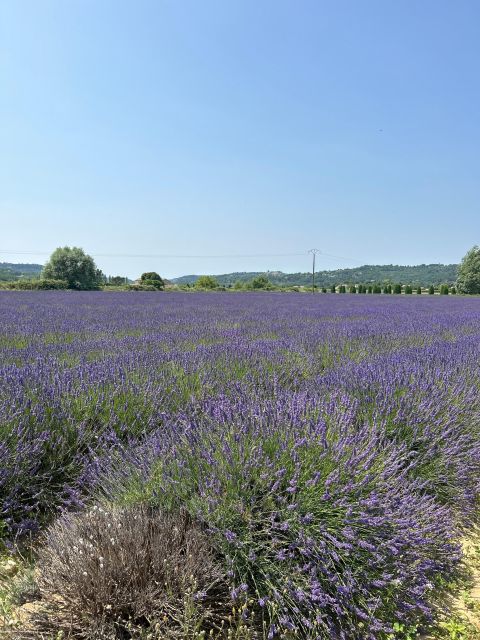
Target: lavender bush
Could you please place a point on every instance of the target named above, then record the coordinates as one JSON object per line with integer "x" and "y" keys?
{"x": 329, "y": 444}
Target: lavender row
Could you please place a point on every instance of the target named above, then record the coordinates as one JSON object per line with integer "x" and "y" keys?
{"x": 331, "y": 446}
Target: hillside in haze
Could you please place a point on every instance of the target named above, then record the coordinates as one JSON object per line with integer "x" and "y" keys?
{"x": 424, "y": 274}
{"x": 11, "y": 271}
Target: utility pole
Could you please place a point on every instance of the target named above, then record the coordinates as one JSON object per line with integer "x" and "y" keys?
{"x": 314, "y": 253}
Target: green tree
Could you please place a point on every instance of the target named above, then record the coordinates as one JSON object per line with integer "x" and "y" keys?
{"x": 377, "y": 288}
{"x": 261, "y": 282}
{"x": 444, "y": 290}
{"x": 117, "y": 281}
{"x": 75, "y": 267}
{"x": 397, "y": 288}
{"x": 333, "y": 288}
{"x": 468, "y": 280}
{"x": 352, "y": 289}
{"x": 206, "y": 282}
{"x": 431, "y": 290}
{"x": 151, "y": 278}
{"x": 408, "y": 289}
{"x": 419, "y": 291}
{"x": 453, "y": 291}
{"x": 342, "y": 289}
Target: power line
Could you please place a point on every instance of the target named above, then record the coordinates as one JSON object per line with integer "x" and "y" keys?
{"x": 162, "y": 255}
{"x": 196, "y": 256}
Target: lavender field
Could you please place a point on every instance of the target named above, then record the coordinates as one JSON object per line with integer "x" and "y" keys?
{"x": 326, "y": 448}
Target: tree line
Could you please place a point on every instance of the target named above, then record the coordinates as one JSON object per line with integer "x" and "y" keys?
{"x": 72, "y": 268}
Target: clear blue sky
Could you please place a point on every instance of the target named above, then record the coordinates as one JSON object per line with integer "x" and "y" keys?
{"x": 240, "y": 127}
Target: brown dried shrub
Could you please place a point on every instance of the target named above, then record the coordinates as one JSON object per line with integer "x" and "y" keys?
{"x": 115, "y": 572}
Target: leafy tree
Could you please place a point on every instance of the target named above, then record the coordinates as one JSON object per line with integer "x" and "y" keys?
{"x": 150, "y": 275}
{"x": 387, "y": 288}
{"x": 419, "y": 291}
{"x": 376, "y": 288}
{"x": 453, "y": 291}
{"x": 468, "y": 280}
{"x": 342, "y": 289}
{"x": 333, "y": 289}
{"x": 431, "y": 290}
{"x": 75, "y": 267}
{"x": 117, "y": 281}
{"x": 206, "y": 282}
{"x": 353, "y": 288}
{"x": 444, "y": 290}
{"x": 152, "y": 279}
{"x": 261, "y": 282}
{"x": 324, "y": 290}
{"x": 239, "y": 285}
{"x": 408, "y": 289}
{"x": 397, "y": 289}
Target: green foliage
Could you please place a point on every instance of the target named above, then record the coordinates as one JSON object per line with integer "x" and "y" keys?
{"x": 352, "y": 289}
{"x": 377, "y": 288}
{"x": 152, "y": 279}
{"x": 29, "y": 285}
{"x": 387, "y": 288}
{"x": 419, "y": 291}
{"x": 142, "y": 287}
{"x": 424, "y": 274}
{"x": 117, "y": 281}
{"x": 206, "y": 282}
{"x": 402, "y": 631}
{"x": 397, "y": 289}
{"x": 261, "y": 282}
{"x": 342, "y": 289}
{"x": 431, "y": 290}
{"x": 453, "y": 291}
{"x": 17, "y": 585}
{"x": 150, "y": 275}
{"x": 468, "y": 280}
{"x": 444, "y": 290}
{"x": 74, "y": 266}
{"x": 408, "y": 289}
{"x": 455, "y": 629}
{"x": 333, "y": 289}
{"x": 10, "y": 271}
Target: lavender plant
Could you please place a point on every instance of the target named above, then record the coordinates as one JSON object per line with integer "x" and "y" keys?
{"x": 317, "y": 516}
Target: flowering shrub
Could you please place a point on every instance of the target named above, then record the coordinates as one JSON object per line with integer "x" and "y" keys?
{"x": 317, "y": 516}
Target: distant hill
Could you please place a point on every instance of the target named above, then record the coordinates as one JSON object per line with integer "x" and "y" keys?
{"x": 10, "y": 271}
{"x": 423, "y": 274}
